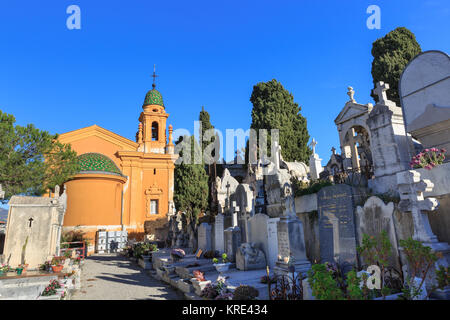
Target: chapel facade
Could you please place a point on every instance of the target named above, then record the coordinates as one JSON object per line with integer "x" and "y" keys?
{"x": 123, "y": 184}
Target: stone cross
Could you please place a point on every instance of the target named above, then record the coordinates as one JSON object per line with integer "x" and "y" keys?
{"x": 351, "y": 94}
{"x": 333, "y": 150}
{"x": 235, "y": 212}
{"x": 313, "y": 146}
{"x": 2, "y": 193}
{"x": 380, "y": 91}
{"x": 411, "y": 188}
{"x": 228, "y": 194}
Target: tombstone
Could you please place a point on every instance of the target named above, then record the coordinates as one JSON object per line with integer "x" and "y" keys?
{"x": 232, "y": 236}
{"x": 244, "y": 200}
{"x": 218, "y": 237}
{"x": 389, "y": 143}
{"x": 375, "y": 217}
{"x": 424, "y": 90}
{"x": 291, "y": 243}
{"x": 337, "y": 233}
{"x": 33, "y": 229}
{"x": 263, "y": 232}
{"x": 250, "y": 257}
{"x": 204, "y": 237}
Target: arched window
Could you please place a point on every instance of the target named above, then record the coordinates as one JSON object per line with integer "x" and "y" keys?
{"x": 155, "y": 131}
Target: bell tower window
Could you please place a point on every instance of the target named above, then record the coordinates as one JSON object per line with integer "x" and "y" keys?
{"x": 155, "y": 131}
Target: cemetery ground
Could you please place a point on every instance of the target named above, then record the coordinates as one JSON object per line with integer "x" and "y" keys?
{"x": 115, "y": 277}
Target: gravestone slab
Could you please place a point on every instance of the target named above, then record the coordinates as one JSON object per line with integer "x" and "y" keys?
{"x": 263, "y": 231}
{"x": 204, "y": 237}
{"x": 374, "y": 218}
{"x": 337, "y": 234}
{"x": 218, "y": 237}
{"x": 425, "y": 94}
{"x": 291, "y": 244}
{"x": 232, "y": 242}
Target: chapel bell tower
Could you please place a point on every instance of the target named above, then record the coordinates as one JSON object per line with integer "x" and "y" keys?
{"x": 152, "y": 127}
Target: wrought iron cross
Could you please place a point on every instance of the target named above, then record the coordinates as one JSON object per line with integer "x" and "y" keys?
{"x": 154, "y": 76}
{"x": 31, "y": 221}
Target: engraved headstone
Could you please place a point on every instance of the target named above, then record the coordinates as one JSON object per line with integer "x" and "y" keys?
{"x": 337, "y": 233}
{"x": 232, "y": 242}
{"x": 204, "y": 237}
{"x": 218, "y": 238}
{"x": 375, "y": 217}
{"x": 263, "y": 231}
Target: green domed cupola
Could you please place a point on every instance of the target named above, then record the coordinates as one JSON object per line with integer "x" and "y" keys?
{"x": 153, "y": 97}
{"x": 96, "y": 162}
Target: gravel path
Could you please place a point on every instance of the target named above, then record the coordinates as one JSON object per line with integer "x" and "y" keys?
{"x": 114, "y": 277}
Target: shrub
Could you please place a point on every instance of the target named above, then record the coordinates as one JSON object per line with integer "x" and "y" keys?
{"x": 245, "y": 293}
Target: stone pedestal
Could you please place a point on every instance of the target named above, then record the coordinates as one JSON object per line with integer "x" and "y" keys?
{"x": 232, "y": 242}
{"x": 291, "y": 244}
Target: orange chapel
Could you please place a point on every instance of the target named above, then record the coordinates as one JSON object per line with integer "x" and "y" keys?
{"x": 123, "y": 184}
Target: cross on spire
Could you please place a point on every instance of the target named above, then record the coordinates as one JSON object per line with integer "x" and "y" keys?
{"x": 380, "y": 91}
{"x": 154, "y": 76}
{"x": 333, "y": 150}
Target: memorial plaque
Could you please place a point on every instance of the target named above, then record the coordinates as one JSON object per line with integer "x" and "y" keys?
{"x": 337, "y": 232}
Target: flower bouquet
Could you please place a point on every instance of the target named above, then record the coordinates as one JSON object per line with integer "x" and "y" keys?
{"x": 428, "y": 159}
{"x": 177, "y": 254}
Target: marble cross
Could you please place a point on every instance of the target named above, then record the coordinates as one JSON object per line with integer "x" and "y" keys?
{"x": 380, "y": 91}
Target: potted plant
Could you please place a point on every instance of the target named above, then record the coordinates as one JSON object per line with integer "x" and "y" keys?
{"x": 224, "y": 266}
{"x": 4, "y": 268}
{"x": 56, "y": 264}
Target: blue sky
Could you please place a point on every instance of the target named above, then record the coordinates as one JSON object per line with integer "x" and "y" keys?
{"x": 207, "y": 53}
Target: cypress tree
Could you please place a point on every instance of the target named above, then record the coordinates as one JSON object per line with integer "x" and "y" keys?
{"x": 391, "y": 54}
{"x": 274, "y": 108}
{"x": 191, "y": 183}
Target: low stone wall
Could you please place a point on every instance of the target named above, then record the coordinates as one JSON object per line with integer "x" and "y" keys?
{"x": 306, "y": 203}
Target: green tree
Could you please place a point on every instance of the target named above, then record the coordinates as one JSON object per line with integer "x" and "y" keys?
{"x": 206, "y": 125}
{"x": 391, "y": 54}
{"x": 191, "y": 182}
{"x": 274, "y": 108}
{"x": 32, "y": 161}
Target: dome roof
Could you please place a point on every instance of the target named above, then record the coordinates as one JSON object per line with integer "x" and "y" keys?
{"x": 96, "y": 162}
{"x": 153, "y": 97}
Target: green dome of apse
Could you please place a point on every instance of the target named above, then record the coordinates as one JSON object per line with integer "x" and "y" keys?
{"x": 153, "y": 97}
{"x": 96, "y": 162}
